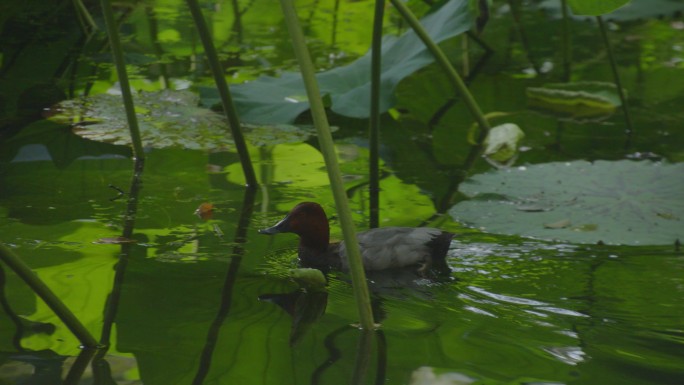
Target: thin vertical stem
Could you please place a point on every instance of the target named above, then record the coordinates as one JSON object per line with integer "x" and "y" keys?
{"x": 374, "y": 128}
{"x": 327, "y": 147}
{"x": 613, "y": 66}
{"x": 222, "y": 85}
{"x": 117, "y": 53}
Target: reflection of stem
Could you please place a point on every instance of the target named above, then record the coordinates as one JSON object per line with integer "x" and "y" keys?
{"x": 112, "y": 305}
{"x": 381, "y": 369}
{"x": 363, "y": 354}
{"x": 613, "y": 66}
{"x": 334, "y": 355}
{"x": 79, "y": 366}
{"x": 222, "y": 86}
{"x": 374, "y": 129}
{"x": 227, "y": 292}
{"x": 43, "y": 291}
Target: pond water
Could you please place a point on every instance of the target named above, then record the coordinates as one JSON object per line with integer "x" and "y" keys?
{"x": 209, "y": 301}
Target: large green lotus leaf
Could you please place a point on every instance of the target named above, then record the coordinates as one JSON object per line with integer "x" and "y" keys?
{"x": 615, "y": 202}
{"x": 281, "y": 100}
{"x": 578, "y": 102}
{"x": 166, "y": 118}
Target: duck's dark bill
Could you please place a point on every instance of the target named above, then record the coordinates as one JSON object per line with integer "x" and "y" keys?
{"x": 279, "y": 227}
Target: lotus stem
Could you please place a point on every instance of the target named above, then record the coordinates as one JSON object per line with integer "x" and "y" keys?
{"x": 443, "y": 61}
{"x": 43, "y": 291}
{"x": 613, "y": 66}
{"x": 327, "y": 148}
{"x": 117, "y": 53}
{"x": 374, "y": 128}
{"x": 226, "y": 100}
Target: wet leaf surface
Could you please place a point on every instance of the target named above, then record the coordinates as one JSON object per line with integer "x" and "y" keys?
{"x": 621, "y": 202}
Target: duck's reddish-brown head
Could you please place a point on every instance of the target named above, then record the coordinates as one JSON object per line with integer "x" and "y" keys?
{"x": 308, "y": 220}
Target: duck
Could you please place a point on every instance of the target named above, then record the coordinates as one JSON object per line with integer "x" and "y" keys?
{"x": 381, "y": 248}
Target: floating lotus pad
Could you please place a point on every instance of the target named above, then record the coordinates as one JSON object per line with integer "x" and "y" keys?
{"x": 167, "y": 118}
{"x": 615, "y": 202}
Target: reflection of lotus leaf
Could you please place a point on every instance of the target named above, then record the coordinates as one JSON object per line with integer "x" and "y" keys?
{"x": 167, "y": 118}
{"x": 621, "y": 202}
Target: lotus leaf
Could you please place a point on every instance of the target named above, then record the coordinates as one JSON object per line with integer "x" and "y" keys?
{"x": 615, "y": 202}
{"x": 278, "y": 100}
{"x": 166, "y": 118}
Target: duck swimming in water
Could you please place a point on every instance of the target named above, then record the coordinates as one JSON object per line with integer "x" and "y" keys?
{"x": 381, "y": 249}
